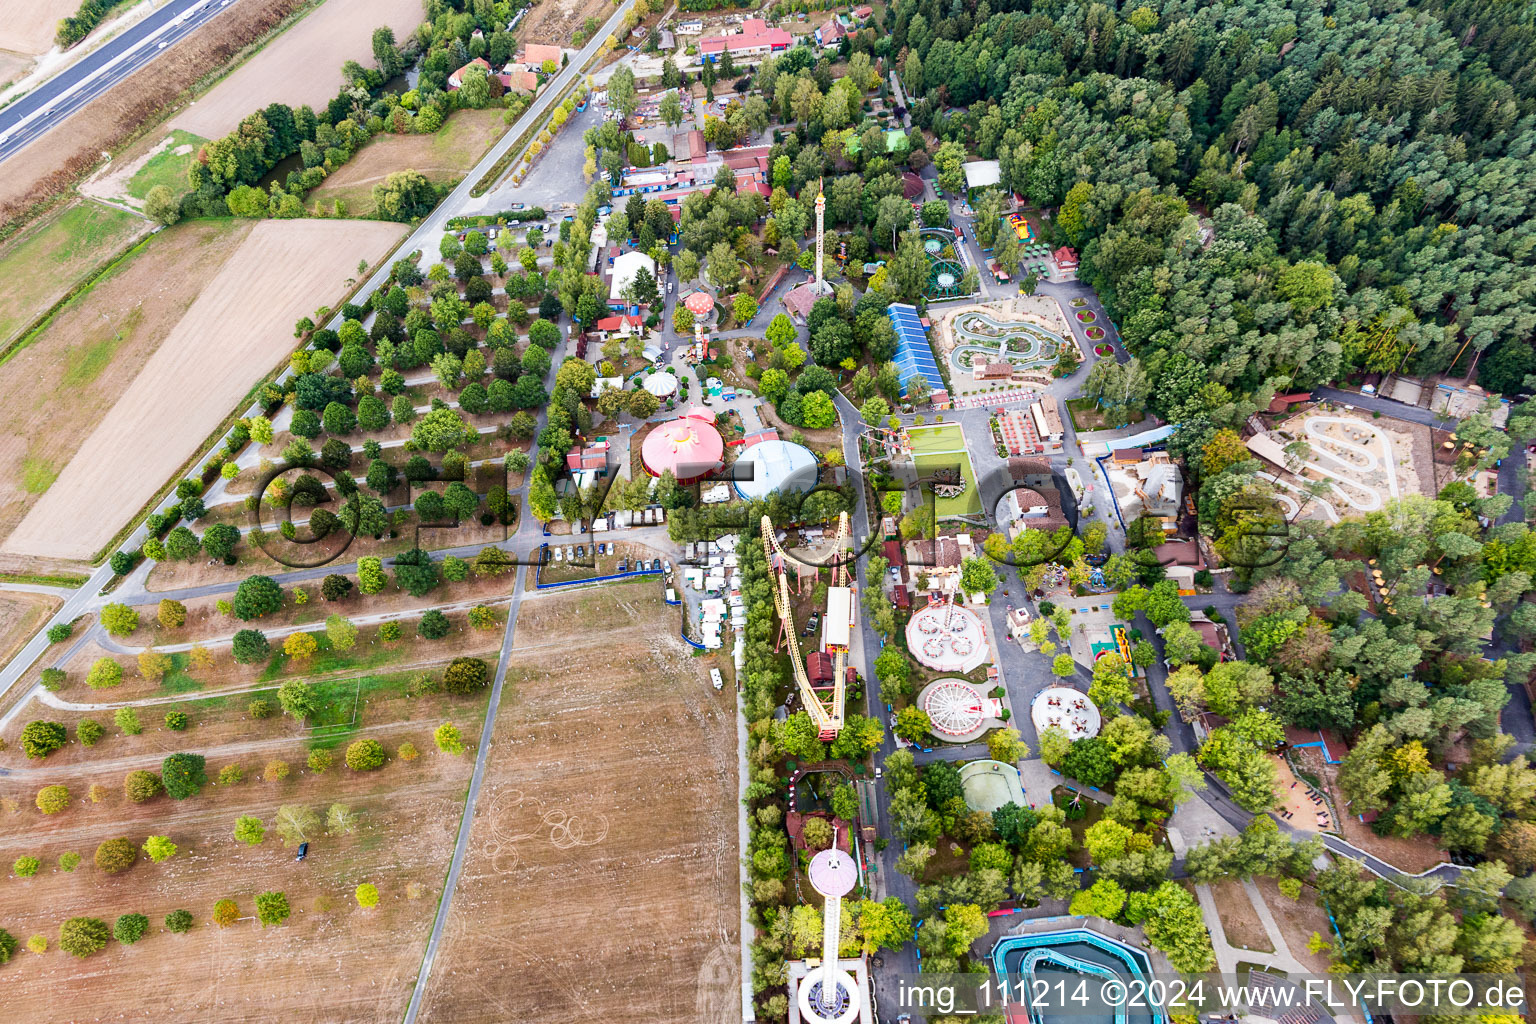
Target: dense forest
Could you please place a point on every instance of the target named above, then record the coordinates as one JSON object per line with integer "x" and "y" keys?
{"x": 1282, "y": 192}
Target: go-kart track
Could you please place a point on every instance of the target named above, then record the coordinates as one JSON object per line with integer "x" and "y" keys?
{"x": 1348, "y": 464}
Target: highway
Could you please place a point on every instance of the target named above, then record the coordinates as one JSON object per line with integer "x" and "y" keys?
{"x": 51, "y": 103}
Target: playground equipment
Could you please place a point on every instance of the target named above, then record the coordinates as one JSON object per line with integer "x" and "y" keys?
{"x": 895, "y": 445}
{"x": 829, "y": 994}
{"x": 823, "y": 704}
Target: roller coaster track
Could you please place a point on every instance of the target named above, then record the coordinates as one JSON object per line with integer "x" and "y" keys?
{"x": 826, "y": 711}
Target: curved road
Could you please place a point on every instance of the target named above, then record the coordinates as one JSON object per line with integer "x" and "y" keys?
{"x": 50, "y": 104}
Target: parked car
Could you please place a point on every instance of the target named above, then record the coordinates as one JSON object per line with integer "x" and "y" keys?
{"x": 303, "y": 851}
{"x": 811, "y": 624}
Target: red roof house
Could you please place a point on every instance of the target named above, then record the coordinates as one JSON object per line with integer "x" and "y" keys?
{"x": 1066, "y": 258}
{"x": 755, "y": 37}
{"x": 457, "y": 78}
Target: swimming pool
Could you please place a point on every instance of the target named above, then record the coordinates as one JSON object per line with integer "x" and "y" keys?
{"x": 1031, "y": 960}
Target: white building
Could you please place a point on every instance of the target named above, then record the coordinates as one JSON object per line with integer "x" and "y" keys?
{"x": 625, "y": 267}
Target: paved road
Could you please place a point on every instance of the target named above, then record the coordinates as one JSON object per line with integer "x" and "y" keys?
{"x": 50, "y": 104}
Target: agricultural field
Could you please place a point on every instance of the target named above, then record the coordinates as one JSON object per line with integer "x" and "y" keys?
{"x": 29, "y": 28}
{"x": 92, "y": 350}
{"x": 606, "y": 836}
{"x": 41, "y": 264}
{"x": 406, "y": 814}
{"x": 250, "y": 304}
{"x": 21, "y": 615}
{"x": 444, "y": 157}
{"x": 301, "y": 66}
{"x": 54, "y": 163}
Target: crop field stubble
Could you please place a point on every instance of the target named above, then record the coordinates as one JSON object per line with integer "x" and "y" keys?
{"x": 331, "y": 961}
{"x": 301, "y": 66}
{"x": 52, "y": 165}
{"x": 21, "y": 615}
{"x": 248, "y": 308}
{"x": 601, "y": 874}
{"x": 55, "y": 391}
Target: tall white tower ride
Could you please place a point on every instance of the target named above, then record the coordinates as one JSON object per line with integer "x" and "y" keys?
{"x": 821, "y": 216}
{"x": 829, "y": 994}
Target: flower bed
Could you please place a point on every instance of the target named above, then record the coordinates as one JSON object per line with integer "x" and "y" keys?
{"x": 1086, "y": 316}
{"x": 1095, "y": 333}
{"x": 1103, "y": 350}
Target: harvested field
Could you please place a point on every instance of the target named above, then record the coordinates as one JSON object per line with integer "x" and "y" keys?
{"x": 444, "y": 158}
{"x": 1238, "y": 917}
{"x": 301, "y": 66}
{"x": 42, "y": 264}
{"x": 54, "y": 392}
{"x": 12, "y": 66}
{"x": 53, "y": 164}
{"x": 601, "y": 874}
{"x": 249, "y": 307}
{"x": 409, "y": 812}
{"x": 29, "y": 28}
{"x": 21, "y": 615}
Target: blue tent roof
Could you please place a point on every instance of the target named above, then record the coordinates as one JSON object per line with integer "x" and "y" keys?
{"x": 913, "y": 354}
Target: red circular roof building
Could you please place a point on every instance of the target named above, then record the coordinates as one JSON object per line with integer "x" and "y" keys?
{"x": 700, "y": 304}
{"x": 689, "y": 446}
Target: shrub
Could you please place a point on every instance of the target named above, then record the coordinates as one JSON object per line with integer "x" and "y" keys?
{"x": 172, "y": 614}
{"x": 179, "y": 921}
{"x": 183, "y": 775}
{"x": 26, "y": 867}
{"x": 335, "y": 587}
{"x": 261, "y": 708}
{"x": 320, "y": 760}
{"x": 231, "y": 775}
{"x": 130, "y": 928}
{"x": 104, "y": 674}
{"x": 448, "y": 739}
{"x": 271, "y": 908}
{"x": 52, "y": 679}
{"x": 119, "y": 619}
{"x": 127, "y": 719}
{"x": 250, "y": 830}
{"x": 176, "y": 721}
{"x": 68, "y": 861}
{"x": 52, "y": 799}
{"x": 389, "y": 632}
{"x": 275, "y": 771}
{"x": 300, "y": 645}
{"x": 59, "y": 632}
{"x": 257, "y": 596}
{"x": 116, "y": 855}
{"x": 407, "y": 751}
{"x": 365, "y": 755}
{"x": 225, "y": 913}
{"x": 153, "y": 665}
{"x": 8, "y": 946}
{"x": 39, "y": 739}
{"x": 141, "y": 785}
{"x": 250, "y": 646}
{"x": 89, "y": 732}
{"x": 367, "y": 895}
{"x": 481, "y": 617}
{"x": 82, "y": 936}
{"x": 465, "y": 675}
{"x": 159, "y": 848}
